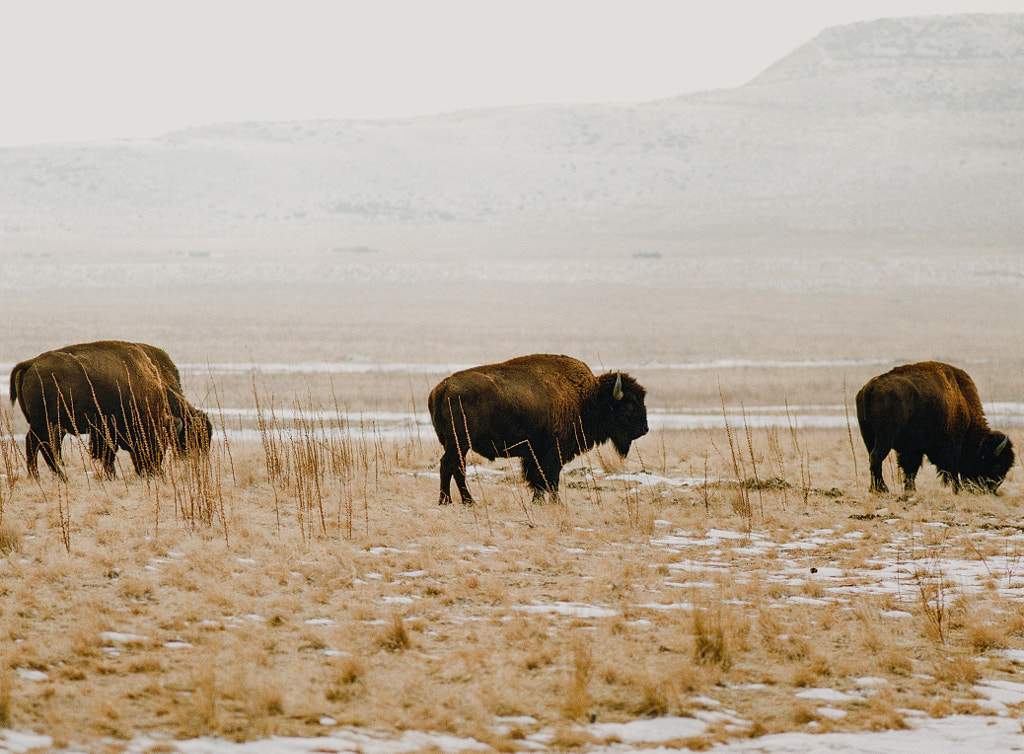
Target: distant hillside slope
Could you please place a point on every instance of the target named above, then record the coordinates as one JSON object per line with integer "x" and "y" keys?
{"x": 908, "y": 127}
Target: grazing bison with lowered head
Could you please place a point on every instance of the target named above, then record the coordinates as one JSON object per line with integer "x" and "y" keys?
{"x": 543, "y": 409}
{"x": 931, "y": 409}
{"x": 194, "y": 430}
{"x": 115, "y": 392}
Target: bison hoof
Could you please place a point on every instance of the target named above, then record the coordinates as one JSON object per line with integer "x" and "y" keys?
{"x": 444, "y": 500}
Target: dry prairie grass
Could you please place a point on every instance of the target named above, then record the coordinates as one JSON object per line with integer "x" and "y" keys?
{"x": 312, "y": 575}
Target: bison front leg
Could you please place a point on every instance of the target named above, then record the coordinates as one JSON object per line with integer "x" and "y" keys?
{"x": 947, "y": 464}
{"x": 952, "y": 479}
{"x": 147, "y": 455}
{"x": 909, "y": 463}
{"x": 542, "y": 473}
{"x": 103, "y": 448}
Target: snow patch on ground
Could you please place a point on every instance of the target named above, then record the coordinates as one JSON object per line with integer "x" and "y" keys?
{"x": 979, "y": 735}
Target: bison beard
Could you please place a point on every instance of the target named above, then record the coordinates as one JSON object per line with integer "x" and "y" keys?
{"x": 543, "y": 409}
{"x": 931, "y": 409}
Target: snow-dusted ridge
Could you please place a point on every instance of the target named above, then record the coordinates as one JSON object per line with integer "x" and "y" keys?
{"x": 895, "y": 126}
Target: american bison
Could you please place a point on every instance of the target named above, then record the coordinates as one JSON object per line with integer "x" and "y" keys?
{"x": 193, "y": 428}
{"x": 118, "y": 393}
{"x": 543, "y": 409}
{"x": 931, "y": 409}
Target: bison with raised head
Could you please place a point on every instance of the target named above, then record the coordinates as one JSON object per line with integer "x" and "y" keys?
{"x": 543, "y": 409}
{"x": 120, "y": 393}
{"x": 931, "y": 409}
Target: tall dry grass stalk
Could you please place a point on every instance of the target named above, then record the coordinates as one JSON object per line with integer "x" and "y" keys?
{"x": 275, "y": 458}
{"x": 753, "y": 459}
{"x": 933, "y": 599}
{"x": 5, "y": 693}
{"x": 742, "y": 502}
{"x": 192, "y": 442}
{"x": 802, "y": 454}
{"x": 849, "y": 431}
{"x": 9, "y": 458}
{"x": 775, "y": 452}
{"x": 710, "y": 645}
{"x": 64, "y": 513}
{"x": 577, "y": 693}
{"x": 322, "y": 455}
{"x": 196, "y": 480}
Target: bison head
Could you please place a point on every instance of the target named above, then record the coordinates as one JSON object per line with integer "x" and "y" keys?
{"x": 626, "y": 418}
{"x": 194, "y": 431}
{"x": 989, "y": 467}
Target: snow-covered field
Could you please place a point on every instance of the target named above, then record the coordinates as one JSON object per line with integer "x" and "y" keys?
{"x": 949, "y": 735}
{"x": 695, "y": 559}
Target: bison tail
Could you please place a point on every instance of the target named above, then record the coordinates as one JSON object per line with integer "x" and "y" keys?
{"x": 867, "y": 431}
{"x": 16, "y": 375}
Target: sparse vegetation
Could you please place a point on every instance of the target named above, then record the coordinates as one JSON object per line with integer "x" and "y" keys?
{"x": 208, "y": 581}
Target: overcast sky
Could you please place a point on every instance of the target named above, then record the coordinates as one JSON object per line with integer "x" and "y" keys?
{"x": 98, "y": 69}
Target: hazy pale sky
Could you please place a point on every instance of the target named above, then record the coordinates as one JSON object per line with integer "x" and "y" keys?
{"x": 99, "y": 69}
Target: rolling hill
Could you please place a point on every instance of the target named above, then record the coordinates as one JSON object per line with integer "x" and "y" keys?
{"x": 893, "y": 129}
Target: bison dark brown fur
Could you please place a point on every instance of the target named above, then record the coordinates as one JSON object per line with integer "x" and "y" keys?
{"x": 193, "y": 428}
{"x": 931, "y": 409}
{"x": 125, "y": 395}
{"x": 544, "y": 409}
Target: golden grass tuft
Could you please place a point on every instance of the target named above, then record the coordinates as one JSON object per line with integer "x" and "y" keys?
{"x": 882, "y": 712}
{"x": 394, "y": 637}
{"x": 710, "y": 645}
{"x": 10, "y": 539}
{"x": 577, "y": 693}
{"x": 5, "y": 693}
{"x": 345, "y": 679}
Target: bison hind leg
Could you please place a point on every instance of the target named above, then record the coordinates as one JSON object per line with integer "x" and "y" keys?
{"x": 50, "y": 449}
{"x": 32, "y": 448}
{"x": 876, "y": 456}
{"x": 453, "y": 464}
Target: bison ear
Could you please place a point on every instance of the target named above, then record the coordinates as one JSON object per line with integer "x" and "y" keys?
{"x": 617, "y": 390}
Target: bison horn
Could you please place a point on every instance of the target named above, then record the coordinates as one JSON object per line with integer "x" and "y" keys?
{"x": 617, "y": 390}
{"x": 1002, "y": 446}
{"x": 179, "y": 425}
